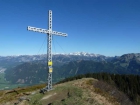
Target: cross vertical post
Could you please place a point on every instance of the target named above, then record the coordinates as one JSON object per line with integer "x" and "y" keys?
{"x": 49, "y": 32}
{"x": 49, "y": 51}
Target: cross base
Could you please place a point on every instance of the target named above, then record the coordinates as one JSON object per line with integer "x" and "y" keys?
{"x": 44, "y": 90}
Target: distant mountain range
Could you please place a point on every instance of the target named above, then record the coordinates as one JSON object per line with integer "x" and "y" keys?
{"x": 58, "y": 59}
{"x": 66, "y": 65}
{"x": 75, "y": 56}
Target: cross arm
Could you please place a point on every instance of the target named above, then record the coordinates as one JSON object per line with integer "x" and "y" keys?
{"x": 45, "y": 31}
{"x": 37, "y": 30}
{"x": 59, "y": 33}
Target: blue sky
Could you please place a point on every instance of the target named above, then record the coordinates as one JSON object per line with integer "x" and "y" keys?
{"x": 107, "y": 27}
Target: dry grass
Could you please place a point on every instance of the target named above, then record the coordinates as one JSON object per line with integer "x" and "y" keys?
{"x": 1, "y": 93}
{"x": 108, "y": 97}
{"x": 62, "y": 93}
{"x": 89, "y": 92}
{"x": 12, "y": 95}
{"x": 111, "y": 93}
{"x": 86, "y": 91}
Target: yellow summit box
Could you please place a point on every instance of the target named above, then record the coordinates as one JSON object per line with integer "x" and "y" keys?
{"x": 49, "y": 63}
{"x": 50, "y": 70}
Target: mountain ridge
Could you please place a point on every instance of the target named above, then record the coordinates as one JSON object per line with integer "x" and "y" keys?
{"x": 36, "y": 72}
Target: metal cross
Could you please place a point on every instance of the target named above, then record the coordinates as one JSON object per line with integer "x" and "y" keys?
{"x": 49, "y": 32}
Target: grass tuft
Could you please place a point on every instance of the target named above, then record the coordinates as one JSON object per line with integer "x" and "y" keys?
{"x": 35, "y": 100}
{"x": 10, "y": 95}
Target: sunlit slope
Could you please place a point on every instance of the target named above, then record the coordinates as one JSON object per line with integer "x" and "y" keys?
{"x": 86, "y": 91}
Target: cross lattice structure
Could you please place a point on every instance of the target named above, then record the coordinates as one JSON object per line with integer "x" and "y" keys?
{"x": 49, "y": 33}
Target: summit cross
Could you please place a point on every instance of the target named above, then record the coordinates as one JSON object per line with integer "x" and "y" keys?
{"x": 49, "y": 33}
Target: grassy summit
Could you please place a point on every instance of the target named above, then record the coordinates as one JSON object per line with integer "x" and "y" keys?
{"x": 85, "y": 91}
